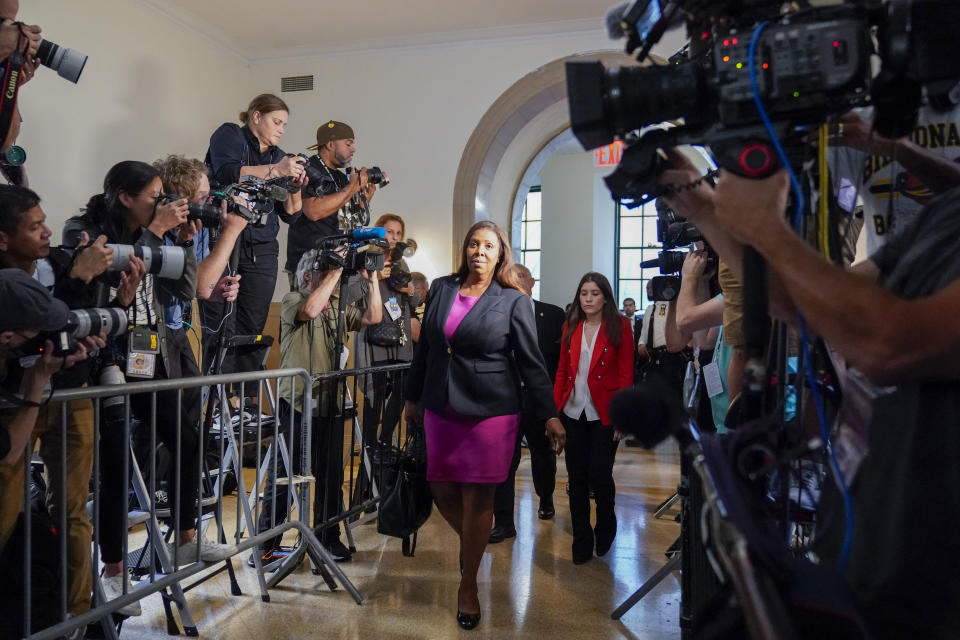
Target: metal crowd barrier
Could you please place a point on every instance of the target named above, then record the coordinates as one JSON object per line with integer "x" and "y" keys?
{"x": 141, "y": 408}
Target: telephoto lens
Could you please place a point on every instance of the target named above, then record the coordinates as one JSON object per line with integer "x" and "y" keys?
{"x": 163, "y": 262}
{"x": 88, "y": 322}
{"x": 68, "y": 63}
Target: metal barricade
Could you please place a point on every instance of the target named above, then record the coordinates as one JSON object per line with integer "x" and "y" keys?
{"x": 97, "y": 424}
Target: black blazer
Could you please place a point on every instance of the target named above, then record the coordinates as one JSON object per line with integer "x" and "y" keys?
{"x": 478, "y": 371}
{"x": 550, "y": 319}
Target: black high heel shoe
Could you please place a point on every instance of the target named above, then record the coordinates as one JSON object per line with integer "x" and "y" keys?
{"x": 466, "y": 621}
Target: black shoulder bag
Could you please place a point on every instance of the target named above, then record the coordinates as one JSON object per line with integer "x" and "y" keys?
{"x": 407, "y": 501}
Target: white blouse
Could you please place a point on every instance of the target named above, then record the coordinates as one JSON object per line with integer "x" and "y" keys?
{"x": 580, "y": 400}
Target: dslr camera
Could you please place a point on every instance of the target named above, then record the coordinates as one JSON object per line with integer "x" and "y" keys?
{"x": 674, "y": 231}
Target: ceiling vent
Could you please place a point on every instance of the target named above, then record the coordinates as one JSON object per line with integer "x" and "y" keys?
{"x": 296, "y": 83}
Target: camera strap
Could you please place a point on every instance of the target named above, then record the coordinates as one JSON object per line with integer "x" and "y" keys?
{"x": 12, "y": 74}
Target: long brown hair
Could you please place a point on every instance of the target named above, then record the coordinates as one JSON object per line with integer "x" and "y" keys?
{"x": 505, "y": 274}
{"x": 610, "y": 315}
{"x": 264, "y": 103}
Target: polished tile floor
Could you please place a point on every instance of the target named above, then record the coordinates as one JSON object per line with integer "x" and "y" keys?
{"x": 529, "y": 588}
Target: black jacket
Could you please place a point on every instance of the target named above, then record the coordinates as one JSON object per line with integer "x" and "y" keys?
{"x": 550, "y": 319}
{"x": 479, "y": 370}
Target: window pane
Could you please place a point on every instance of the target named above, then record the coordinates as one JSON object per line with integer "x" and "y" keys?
{"x": 532, "y": 235}
{"x": 635, "y": 289}
{"x": 650, "y": 230}
{"x": 536, "y": 290}
{"x": 631, "y": 232}
{"x": 630, "y": 263}
{"x": 532, "y": 210}
{"x": 531, "y": 260}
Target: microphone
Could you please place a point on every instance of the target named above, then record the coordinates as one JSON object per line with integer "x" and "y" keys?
{"x": 368, "y": 233}
{"x": 614, "y": 21}
{"x": 645, "y": 413}
{"x": 647, "y": 264}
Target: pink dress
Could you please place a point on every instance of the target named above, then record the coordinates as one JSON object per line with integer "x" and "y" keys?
{"x": 465, "y": 448}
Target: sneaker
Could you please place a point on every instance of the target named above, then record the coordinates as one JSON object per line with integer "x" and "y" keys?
{"x": 161, "y": 500}
{"x": 77, "y": 634}
{"x": 209, "y": 551}
{"x": 113, "y": 589}
{"x": 338, "y": 550}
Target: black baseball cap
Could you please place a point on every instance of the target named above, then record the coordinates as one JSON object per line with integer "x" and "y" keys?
{"x": 27, "y": 304}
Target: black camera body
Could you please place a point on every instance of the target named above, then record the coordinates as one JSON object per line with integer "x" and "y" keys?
{"x": 366, "y": 254}
{"x": 210, "y": 213}
{"x": 806, "y": 67}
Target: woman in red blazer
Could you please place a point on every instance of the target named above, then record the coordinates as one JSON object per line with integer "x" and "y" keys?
{"x": 596, "y": 361}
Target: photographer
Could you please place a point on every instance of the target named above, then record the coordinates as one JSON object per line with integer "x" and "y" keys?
{"x": 251, "y": 150}
{"x": 323, "y": 200}
{"x": 25, "y": 245}
{"x": 383, "y": 394}
{"x": 308, "y": 325}
{"x": 904, "y": 489}
{"x": 697, "y": 318}
{"x": 14, "y": 37}
{"x": 129, "y": 211}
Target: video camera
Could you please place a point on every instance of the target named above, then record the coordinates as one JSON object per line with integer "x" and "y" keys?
{"x": 363, "y": 250}
{"x": 674, "y": 231}
{"x": 805, "y": 67}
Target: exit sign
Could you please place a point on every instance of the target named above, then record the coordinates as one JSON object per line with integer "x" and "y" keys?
{"x": 608, "y": 156}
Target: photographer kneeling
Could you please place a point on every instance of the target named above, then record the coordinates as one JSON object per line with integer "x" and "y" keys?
{"x": 893, "y": 318}
{"x": 308, "y": 325}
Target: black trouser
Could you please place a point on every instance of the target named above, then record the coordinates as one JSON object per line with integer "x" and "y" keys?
{"x": 113, "y": 448}
{"x": 385, "y": 408}
{"x": 258, "y": 267}
{"x": 326, "y": 458}
{"x": 543, "y": 465}
{"x": 590, "y": 451}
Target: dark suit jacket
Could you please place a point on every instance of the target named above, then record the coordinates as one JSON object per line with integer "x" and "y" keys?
{"x": 478, "y": 371}
{"x": 550, "y": 319}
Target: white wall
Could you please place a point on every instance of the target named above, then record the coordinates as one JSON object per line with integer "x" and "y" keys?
{"x": 413, "y": 111}
{"x": 577, "y": 230}
{"x": 150, "y": 87}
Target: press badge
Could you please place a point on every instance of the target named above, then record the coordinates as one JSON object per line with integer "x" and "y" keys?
{"x": 711, "y": 376}
{"x": 393, "y": 309}
{"x": 143, "y": 346}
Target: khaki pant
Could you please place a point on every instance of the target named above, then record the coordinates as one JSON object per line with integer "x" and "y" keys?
{"x": 78, "y": 467}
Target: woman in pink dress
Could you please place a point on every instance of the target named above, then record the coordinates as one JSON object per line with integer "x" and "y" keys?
{"x": 477, "y": 343}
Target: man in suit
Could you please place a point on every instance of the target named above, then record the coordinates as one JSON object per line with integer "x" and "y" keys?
{"x": 543, "y": 462}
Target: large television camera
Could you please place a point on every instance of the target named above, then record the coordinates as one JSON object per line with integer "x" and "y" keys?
{"x": 805, "y": 67}
{"x": 359, "y": 249}
{"x": 674, "y": 231}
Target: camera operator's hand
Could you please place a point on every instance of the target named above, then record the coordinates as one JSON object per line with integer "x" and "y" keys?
{"x": 369, "y": 276}
{"x": 10, "y": 34}
{"x": 643, "y": 355}
{"x": 856, "y": 132}
{"x": 366, "y": 186}
{"x": 29, "y": 70}
{"x": 413, "y": 413}
{"x": 227, "y": 288}
{"x": 694, "y": 264}
{"x": 187, "y": 230}
{"x": 355, "y": 182}
{"x": 129, "y": 281}
{"x": 291, "y": 166}
{"x": 691, "y": 203}
{"x": 750, "y": 210}
{"x": 168, "y": 216}
{"x": 91, "y": 259}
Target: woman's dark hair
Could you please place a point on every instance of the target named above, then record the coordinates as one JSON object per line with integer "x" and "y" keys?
{"x": 264, "y": 103}
{"x": 505, "y": 274}
{"x": 105, "y": 209}
{"x": 14, "y": 202}
{"x": 610, "y": 314}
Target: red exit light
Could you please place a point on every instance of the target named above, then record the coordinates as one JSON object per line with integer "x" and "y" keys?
{"x": 608, "y": 156}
